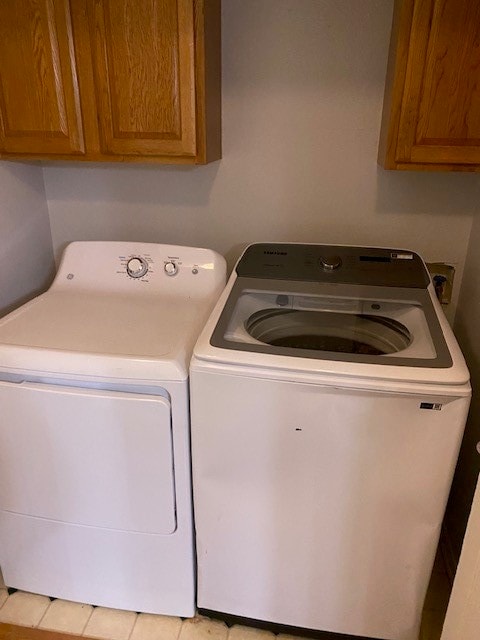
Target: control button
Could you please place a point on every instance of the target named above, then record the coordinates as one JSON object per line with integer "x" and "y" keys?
{"x": 195, "y": 271}
{"x": 329, "y": 263}
{"x": 170, "y": 268}
{"x": 137, "y": 267}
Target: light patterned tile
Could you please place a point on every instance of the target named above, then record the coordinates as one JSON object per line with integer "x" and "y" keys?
{"x": 201, "y": 628}
{"x": 25, "y": 609}
{"x": 3, "y": 597}
{"x": 110, "y": 624}
{"x": 67, "y": 617}
{"x": 239, "y": 632}
{"x": 150, "y": 627}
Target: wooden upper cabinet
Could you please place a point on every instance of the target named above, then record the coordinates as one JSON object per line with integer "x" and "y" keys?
{"x": 119, "y": 80}
{"x": 431, "y": 116}
{"x": 39, "y": 101}
{"x": 144, "y": 65}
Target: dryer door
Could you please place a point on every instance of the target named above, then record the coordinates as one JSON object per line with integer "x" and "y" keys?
{"x": 87, "y": 456}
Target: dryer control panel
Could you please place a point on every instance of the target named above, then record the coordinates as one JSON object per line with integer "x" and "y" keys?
{"x": 126, "y": 267}
{"x": 137, "y": 267}
{"x": 334, "y": 264}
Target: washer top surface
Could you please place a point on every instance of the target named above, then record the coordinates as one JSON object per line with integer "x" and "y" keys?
{"x": 351, "y": 311}
{"x": 116, "y": 310}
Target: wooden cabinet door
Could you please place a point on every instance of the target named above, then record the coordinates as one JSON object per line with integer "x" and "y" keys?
{"x": 39, "y": 102}
{"x": 143, "y": 63}
{"x": 432, "y": 99}
{"x": 440, "y": 119}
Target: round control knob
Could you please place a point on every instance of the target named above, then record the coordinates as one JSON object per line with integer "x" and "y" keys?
{"x": 170, "y": 268}
{"x": 137, "y": 267}
{"x": 329, "y": 263}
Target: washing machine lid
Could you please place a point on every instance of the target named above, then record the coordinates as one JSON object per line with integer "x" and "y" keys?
{"x": 98, "y": 322}
{"x": 347, "y": 323}
{"x": 350, "y": 311}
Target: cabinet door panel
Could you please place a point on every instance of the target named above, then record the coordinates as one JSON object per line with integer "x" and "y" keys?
{"x": 440, "y": 117}
{"x": 143, "y": 59}
{"x": 39, "y": 102}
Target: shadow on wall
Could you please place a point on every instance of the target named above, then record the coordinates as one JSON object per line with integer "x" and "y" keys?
{"x": 26, "y": 254}
{"x": 268, "y": 36}
{"x": 147, "y": 184}
{"x": 420, "y": 192}
{"x": 25, "y": 177}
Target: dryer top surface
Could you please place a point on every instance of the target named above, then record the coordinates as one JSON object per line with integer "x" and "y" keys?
{"x": 97, "y": 320}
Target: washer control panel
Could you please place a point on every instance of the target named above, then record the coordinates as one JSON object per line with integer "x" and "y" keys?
{"x": 329, "y": 262}
{"x": 335, "y": 264}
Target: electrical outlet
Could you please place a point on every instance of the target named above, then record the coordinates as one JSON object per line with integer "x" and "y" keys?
{"x": 442, "y": 275}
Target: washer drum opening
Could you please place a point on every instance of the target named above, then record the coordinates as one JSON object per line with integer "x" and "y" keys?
{"x": 329, "y": 331}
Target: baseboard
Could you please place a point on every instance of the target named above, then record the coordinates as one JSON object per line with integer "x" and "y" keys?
{"x": 275, "y": 628}
{"x": 16, "y": 632}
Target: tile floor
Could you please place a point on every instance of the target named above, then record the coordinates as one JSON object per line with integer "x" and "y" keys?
{"x": 29, "y": 610}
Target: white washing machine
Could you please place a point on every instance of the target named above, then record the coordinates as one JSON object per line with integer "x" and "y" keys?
{"x": 329, "y": 398}
{"x": 95, "y": 486}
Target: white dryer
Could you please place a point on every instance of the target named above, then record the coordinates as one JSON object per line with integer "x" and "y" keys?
{"x": 328, "y": 399}
{"x": 95, "y": 487}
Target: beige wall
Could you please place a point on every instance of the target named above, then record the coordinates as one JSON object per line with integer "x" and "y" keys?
{"x": 26, "y": 256}
{"x": 467, "y": 329}
{"x": 303, "y": 85}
